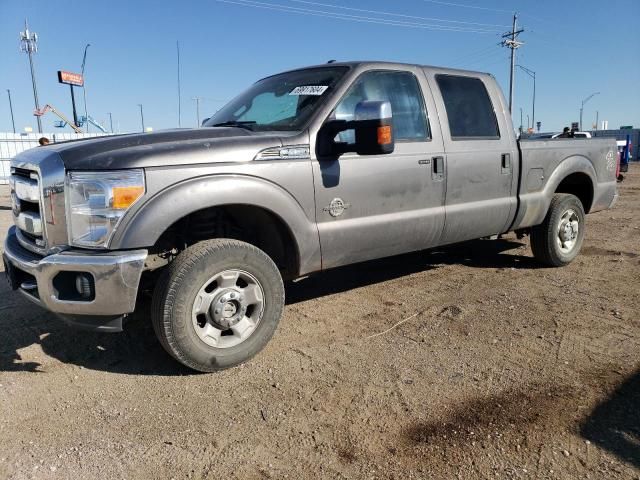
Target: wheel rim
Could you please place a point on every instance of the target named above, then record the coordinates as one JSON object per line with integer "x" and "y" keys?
{"x": 228, "y": 308}
{"x": 568, "y": 231}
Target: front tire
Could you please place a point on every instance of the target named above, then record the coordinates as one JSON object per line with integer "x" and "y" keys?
{"x": 558, "y": 239}
{"x": 217, "y": 304}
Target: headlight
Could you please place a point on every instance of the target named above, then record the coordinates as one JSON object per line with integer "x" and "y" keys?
{"x": 96, "y": 201}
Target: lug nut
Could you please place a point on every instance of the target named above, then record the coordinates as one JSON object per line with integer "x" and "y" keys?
{"x": 233, "y": 295}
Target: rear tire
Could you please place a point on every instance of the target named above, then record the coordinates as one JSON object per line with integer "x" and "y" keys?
{"x": 217, "y": 304}
{"x": 558, "y": 239}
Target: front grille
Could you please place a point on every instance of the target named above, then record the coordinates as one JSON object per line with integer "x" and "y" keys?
{"x": 26, "y": 205}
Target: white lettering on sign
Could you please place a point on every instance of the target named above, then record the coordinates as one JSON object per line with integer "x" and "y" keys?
{"x": 309, "y": 90}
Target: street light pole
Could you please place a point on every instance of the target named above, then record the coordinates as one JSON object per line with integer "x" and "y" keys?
{"x": 13, "y": 123}
{"x": 110, "y": 121}
{"x": 84, "y": 88}
{"x": 141, "y": 117}
{"x": 582, "y": 105}
{"x": 197, "y": 100}
{"x": 520, "y": 120}
{"x": 29, "y": 45}
{"x": 532, "y": 74}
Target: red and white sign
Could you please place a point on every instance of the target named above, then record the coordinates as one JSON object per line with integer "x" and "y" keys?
{"x": 70, "y": 78}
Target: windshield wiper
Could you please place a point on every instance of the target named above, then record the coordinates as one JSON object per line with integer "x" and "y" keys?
{"x": 246, "y": 124}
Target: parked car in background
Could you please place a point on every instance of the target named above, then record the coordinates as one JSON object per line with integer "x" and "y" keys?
{"x": 624, "y": 159}
{"x": 575, "y": 135}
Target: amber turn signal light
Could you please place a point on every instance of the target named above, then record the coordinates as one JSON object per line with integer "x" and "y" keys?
{"x": 384, "y": 135}
{"x": 124, "y": 197}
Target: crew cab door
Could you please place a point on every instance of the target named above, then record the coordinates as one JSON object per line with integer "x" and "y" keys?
{"x": 481, "y": 156}
{"x": 372, "y": 206}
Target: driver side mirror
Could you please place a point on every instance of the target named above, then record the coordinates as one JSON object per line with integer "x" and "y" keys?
{"x": 204, "y": 121}
{"x": 373, "y": 128}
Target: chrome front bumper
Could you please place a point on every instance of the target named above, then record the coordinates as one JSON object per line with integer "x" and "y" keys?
{"x": 116, "y": 276}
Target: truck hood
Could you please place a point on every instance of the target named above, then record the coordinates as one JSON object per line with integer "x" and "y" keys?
{"x": 165, "y": 148}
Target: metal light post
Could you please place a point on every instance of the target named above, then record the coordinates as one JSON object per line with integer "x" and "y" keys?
{"x": 179, "y": 92}
{"x": 582, "y": 105}
{"x": 532, "y": 74}
{"x": 141, "y": 117}
{"x": 29, "y": 45}
{"x": 84, "y": 88}
{"x": 197, "y": 100}
{"x": 110, "y": 122}
{"x": 521, "y": 121}
{"x": 13, "y": 123}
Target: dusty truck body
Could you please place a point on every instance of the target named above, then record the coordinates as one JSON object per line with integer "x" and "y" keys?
{"x": 307, "y": 170}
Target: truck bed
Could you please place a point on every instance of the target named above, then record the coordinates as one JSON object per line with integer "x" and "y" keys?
{"x": 546, "y": 165}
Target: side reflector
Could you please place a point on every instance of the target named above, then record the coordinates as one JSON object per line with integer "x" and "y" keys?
{"x": 384, "y": 135}
{"x": 123, "y": 197}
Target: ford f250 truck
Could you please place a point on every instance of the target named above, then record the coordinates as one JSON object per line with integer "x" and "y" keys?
{"x": 306, "y": 170}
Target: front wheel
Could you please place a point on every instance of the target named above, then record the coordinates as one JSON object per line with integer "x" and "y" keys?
{"x": 217, "y": 304}
{"x": 558, "y": 239}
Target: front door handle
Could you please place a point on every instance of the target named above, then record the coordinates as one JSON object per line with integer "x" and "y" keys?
{"x": 505, "y": 163}
{"x": 437, "y": 172}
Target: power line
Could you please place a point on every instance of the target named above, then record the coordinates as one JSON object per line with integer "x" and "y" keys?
{"x": 355, "y": 18}
{"x": 482, "y": 59}
{"x": 378, "y": 12}
{"x": 464, "y": 58}
{"x": 359, "y": 18}
{"x": 451, "y": 4}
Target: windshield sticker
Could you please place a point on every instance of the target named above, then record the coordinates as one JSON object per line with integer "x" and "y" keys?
{"x": 309, "y": 90}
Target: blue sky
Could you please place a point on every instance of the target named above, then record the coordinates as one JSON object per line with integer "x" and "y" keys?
{"x": 576, "y": 48}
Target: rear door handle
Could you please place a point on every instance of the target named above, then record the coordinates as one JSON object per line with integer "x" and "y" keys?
{"x": 437, "y": 172}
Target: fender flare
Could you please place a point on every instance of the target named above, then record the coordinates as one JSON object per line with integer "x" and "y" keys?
{"x": 144, "y": 226}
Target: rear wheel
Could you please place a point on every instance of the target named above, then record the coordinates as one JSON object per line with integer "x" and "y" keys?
{"x": 558, "y": 239}
{"x": 218, "y": 304}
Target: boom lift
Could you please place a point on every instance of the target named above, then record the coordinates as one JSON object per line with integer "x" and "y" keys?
{"x": 47, "y": 108}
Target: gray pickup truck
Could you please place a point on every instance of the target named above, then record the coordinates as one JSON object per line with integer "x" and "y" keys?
{"x": 305, "y": 171}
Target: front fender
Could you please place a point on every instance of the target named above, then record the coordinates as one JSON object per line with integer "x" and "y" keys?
{"x": 144, "y": 226}
{"x": 534, "y": 205}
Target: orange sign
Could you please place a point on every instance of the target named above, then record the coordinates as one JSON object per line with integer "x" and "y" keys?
{"x": 70, "y": 78}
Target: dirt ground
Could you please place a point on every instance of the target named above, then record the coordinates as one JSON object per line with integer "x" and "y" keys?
{"x": 502, "y": 369}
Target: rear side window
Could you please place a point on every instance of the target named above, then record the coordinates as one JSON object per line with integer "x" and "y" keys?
{"x": 469, "y": 109}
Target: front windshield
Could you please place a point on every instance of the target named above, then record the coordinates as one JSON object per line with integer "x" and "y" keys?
{"x": 281, "y": 102}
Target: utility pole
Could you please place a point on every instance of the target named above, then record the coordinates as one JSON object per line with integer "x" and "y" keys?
{"x": 197, "y": 100}
{"x": 110, "y": 122}
{"x": 179, "y": 94}
{"x": 13, "y": 123}
{"x": 597, "y": 115}
{"x": 512, "y": 43}
{"x": 141, "y": 117}
{"x": 29, "y": 45}
{"x": 84, "y": 88}
{"x": 582, "y": 105}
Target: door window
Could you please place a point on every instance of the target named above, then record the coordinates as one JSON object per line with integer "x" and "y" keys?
{"x": 401, "y": 89}
{"x": 469, "y": 109}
